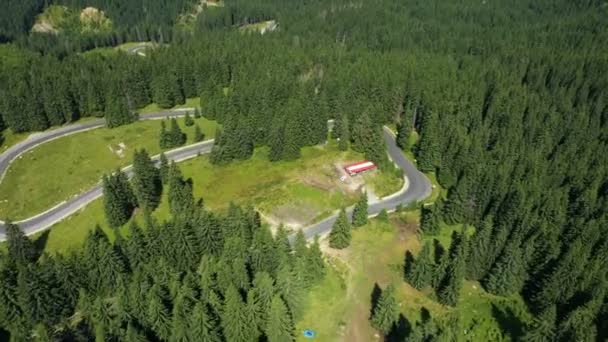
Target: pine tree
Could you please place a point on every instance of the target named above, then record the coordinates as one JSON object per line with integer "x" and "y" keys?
{"x": 118, "y": 199}
{"x": 202, "y": 326}
{"x": 147, "y": 184}
{"x": 280, "y": 326}
{"x": 382, "y": 216}
{"x": 509, "y": 272}
{"x": 420, "y": 272}
{"x": 188, "y": 121}
{"x": 316, "y": 264}
{"x": 543, "y": 327}
{"x": 429, "y": 220}
{"x": 157, "y": 314}
{"x": 197, "y": 113}
{"x": 198, "y": 134}
{"x": 164, "y": 168}
{"x": 164, "y": 139}
{"x": 177, "y": 137}
{"x": 344, "y": 133}
{"x": 20, "y": 247}
{"x": 235, "y": 324}
{"x": 403, "y": 132}
{"x": 340, "y": 235}
{"x": 427, "y": 151}
{"x": 449, "y": 288}
{"x": 276, "y": 140}
{"x": 386, "y": 311}
{"x": 360, "y": 211}
{"x": 117, "y": 111}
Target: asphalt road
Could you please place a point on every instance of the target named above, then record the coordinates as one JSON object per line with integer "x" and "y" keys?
{"x": 417, "y": 187}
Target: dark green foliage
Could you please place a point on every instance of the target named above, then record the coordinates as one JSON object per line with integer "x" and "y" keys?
{"x": 342, "y": 132}
{"x": 181, "y": 200}
{"x": 234, "y": 143}
{"x": 198, "y": 134}
{"x": 404, "y": 129}
{"x": 429, "y": 220}
{"x": 543, "y": 327}
{"x": 147, "y": 184}
{"x": 235, "y": 323}
{"x": 118, "y": 199}
{"x": 197, "y": 113}
{"x": 382, "y": 216}
{"x": 280, "y": 325}
{"x": 386, "y": 312}
{"x": 360, "y": 211}
{"x": 367, "y": 138}
{"x": 419, "y": 271}
{"x": 340, "y": 235}
{"x": 20, "y": 248}
{"x": 508, "y": 274}
{"x": 117, "y": 111}
{"x": 448, "y": 290}
{"x": 164, "y": 168}
{"x": 188, "y": 121}
{"x": 174, "y": 137}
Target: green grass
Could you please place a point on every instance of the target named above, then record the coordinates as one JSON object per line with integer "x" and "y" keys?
{"x": 338, "y": 309}
{"x": 59, "y": 169}
{"x": 8, "y": 138}
{"x": 153, "y": 107}
{"x": 111, "y": 51}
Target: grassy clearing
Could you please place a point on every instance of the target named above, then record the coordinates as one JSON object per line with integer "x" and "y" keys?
{"x": 111, "y": 51}
{"x": 153, "y": 107}
{"x": 8, "y": 138}
{"x": 339, "y": 308}
{"x": 270, "y": 187}
{"x": 61, "y": 168}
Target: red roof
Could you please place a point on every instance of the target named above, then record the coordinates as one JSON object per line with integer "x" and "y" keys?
{"x": 359, "y": 166}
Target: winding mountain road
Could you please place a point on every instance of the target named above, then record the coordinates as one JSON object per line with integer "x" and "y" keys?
{"x": 416, "y": 186}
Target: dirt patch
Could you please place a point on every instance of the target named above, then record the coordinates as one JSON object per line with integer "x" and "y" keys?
{"x": 405, "y": 229}
{"x": 295, "y": 215}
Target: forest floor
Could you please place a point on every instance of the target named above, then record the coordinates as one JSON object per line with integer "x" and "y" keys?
{"x": 338, "y": 308}
{"x": 59, "y": 169}
{"x": 280, "y": 190}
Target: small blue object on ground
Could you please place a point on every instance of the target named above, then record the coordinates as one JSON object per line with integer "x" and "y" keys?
{"x": 309, "y": 333}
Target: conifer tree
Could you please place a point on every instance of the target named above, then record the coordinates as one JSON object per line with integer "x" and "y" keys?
{"x": 509, "y": 272}
{"x": 202, "y": 325}
{"x": 280, "y": 326}
{"x": 197, "y": 113}
{"x": 181, "y": 200}
{"x": 427, "y": 151}
{"x": 429, "y": 220}
{"x": 449, "y": 288}
{"x": 290, "y": 290}
{"x": 344, "y": 133}
{"x": 188, "y": 121}
{"x": 177, "y": 137}
{"x": 263, "y": 286}
{"x": 117, "y": 111}
{"x": 340, "y": 235}
{"x": 147, "y": 184}
{"x": 386, "y": 311}
{"x": 164, "y": 137}
{"x": 198, "y": 134}
{"x": 164, "y": 168}
{"x": 382, "y": 216}
{"x": 543, "y": 326}
{"x": 360, "y": 211}
{"x": 403, "y": 132}
{"x": 157, "y": 314}
{"x": 235, "y": 324}
{"x": 20, "y": 247}
{"x": 316, "y": 264}
{"x": 276, "y": 140}
{"x": 118, "y": 199}
{"x": 420, "y": 272}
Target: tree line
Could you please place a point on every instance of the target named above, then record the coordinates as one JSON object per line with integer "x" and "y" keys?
{"x": 200, "y": 276}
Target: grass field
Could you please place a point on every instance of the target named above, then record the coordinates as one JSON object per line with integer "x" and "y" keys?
{"x": 339, "y": 308}
{"x": 59, "y": 169}
{"x": 153, "y": 107}
{"x": 256, "y": 181}
{"x": 8, "y": 138}
{"x": 110, "y": 51}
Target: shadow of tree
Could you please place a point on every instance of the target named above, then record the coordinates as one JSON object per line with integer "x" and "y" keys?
{"x": 400, "y": 330}
{"x": 508, "y": 321}
{"x": 375, "y": 297}
{"x": 40, "y": 243}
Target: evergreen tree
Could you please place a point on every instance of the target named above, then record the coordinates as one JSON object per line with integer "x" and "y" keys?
{"x": 118, "y": 199}
{"x": 164, "y": 168}
{"x": 315, "y": 262}
{"x": 147, "y": 184}
{"x": 344, "y": 133}
{"x": 20, "y": 247}
{"x": 419, "y": 272}
{"x": 448, "y": 291}
{"x": 382, "y": 215}
{"x": 197, "y": 113}
{"x": 340, "y": 235}
{"x": 429, "y": 220}
{"x": 280, "y": 326}
{"x": 427, "y": 152}
{"x": 188, "y": 121}
{"x": 403, "y": 132}
{"x": 386, "y": 311}
{"x": 164, "y": 137}
{"x": 276, "y": 140}
{"x": 509, "y": 272}
{"x": 198, "y": 134}
{"x": 176, "y": 136}
{"x": 234, "y": 318}
{"x": 202, "y": 326}
{"x": 117, "y": 112}
{"x": 360, "y": 211}
{"x": 543, "y": 327}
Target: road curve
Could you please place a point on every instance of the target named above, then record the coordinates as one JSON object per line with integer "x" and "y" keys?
{"x": 416, "y": 187}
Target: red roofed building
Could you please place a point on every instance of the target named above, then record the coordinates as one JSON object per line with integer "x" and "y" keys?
{"x": 359, "y": 167}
